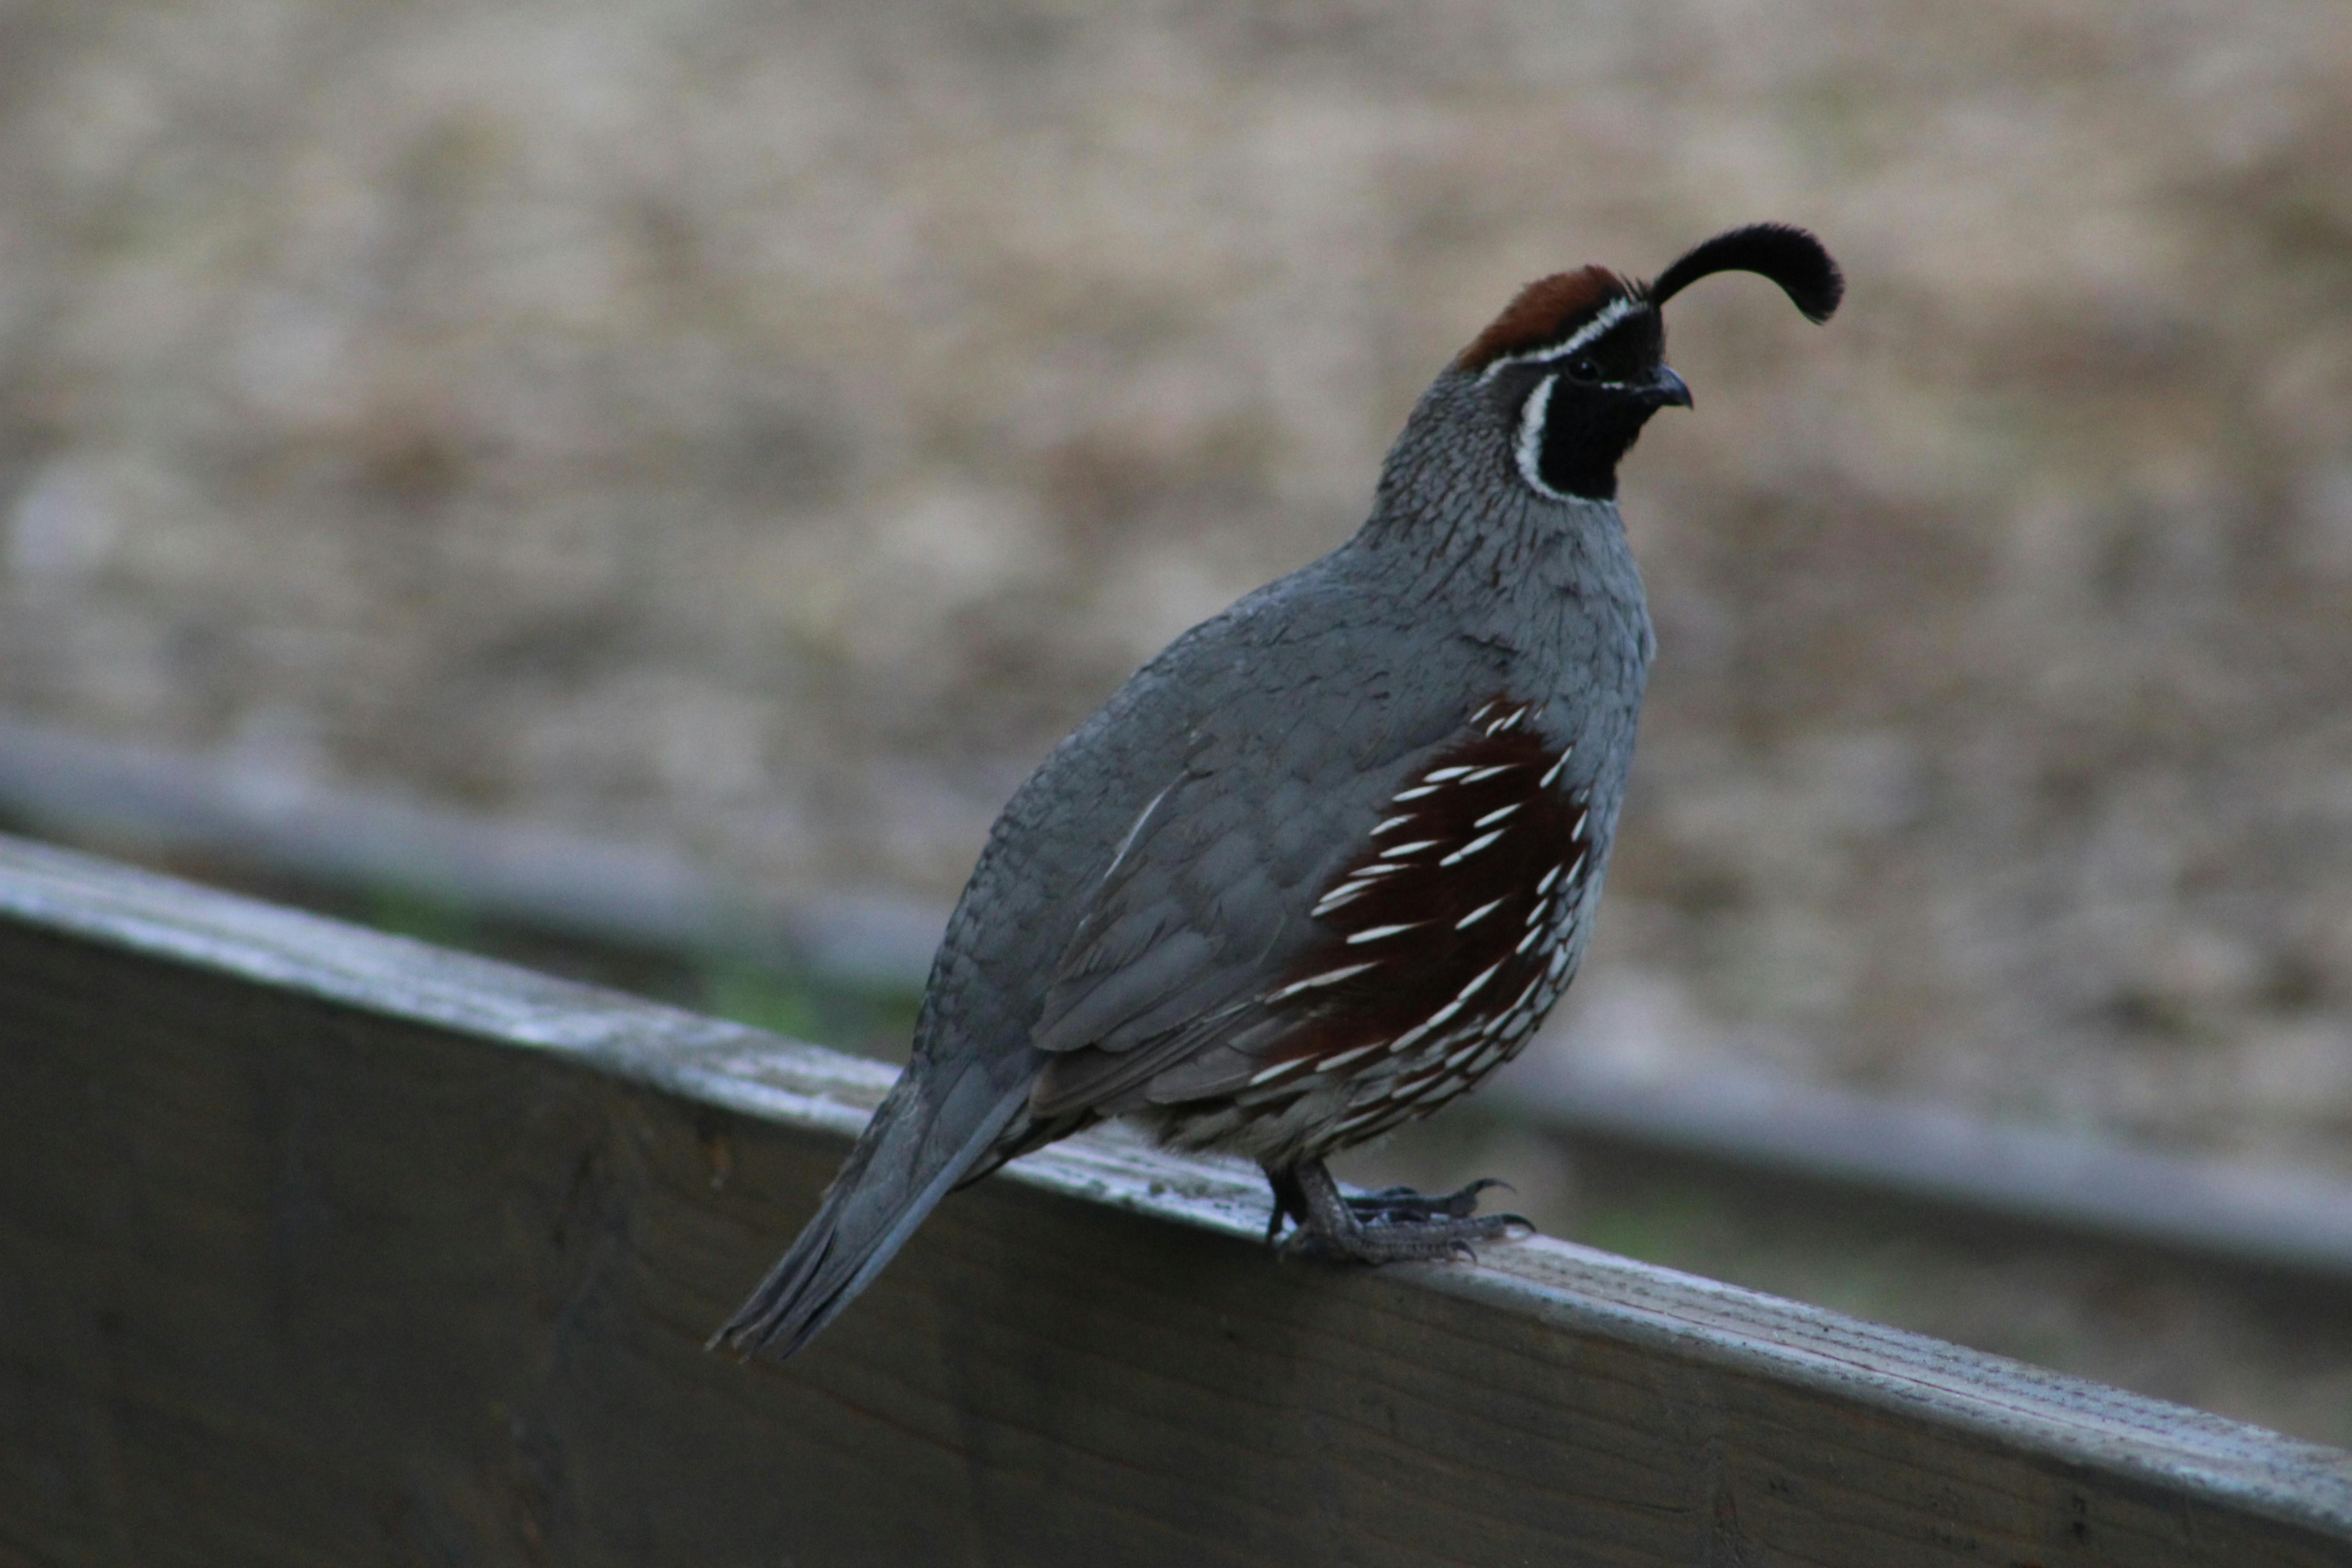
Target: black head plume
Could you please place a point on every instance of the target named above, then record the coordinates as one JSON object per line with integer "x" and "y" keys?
{"x": 1787, "y": 254}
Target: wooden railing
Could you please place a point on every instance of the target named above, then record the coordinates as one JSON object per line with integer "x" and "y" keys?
{"x": 320, "y": 1246}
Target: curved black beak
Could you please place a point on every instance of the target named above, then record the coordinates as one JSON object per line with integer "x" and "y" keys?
{"x": 1668, "y": 391}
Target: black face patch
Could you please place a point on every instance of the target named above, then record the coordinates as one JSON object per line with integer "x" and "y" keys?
{"x": 1578, "y": 413}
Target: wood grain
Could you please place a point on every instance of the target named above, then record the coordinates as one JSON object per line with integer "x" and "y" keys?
{"x": 318, "y": 1245}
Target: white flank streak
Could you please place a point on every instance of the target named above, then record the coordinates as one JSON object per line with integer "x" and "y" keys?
{"x": 1376, "y": 932}
{"x": 1488, "y": 772}
{"x": 1548, "y": 879}
{"x": 1497, "y": 815}
{"x": 1415, "y": 848}
{"x": 1475, "y": 916}
{"x": 1555, "y": 768}
{"x": 1438, "y": 775}
{"x": 1329, "y": 1064}
{"x": 1559, "y": 961}
{"x": 1473, "y": 988}
{"x": 1522, "y": 999}
{"x": 1141, "y": 817}
{"x": 1329, "y": 977}
{"x": 1389, "y": 823}
{"x": 1472, "y": 846}
{"x": 1576, "y": 868}
{"x": 1338, "y": 896}
{"x": 1506, "y": 722}
{"x": 1466, "y": 1052}
{"x": 1405, "y": 794}
{"x": 1484, "y": 708}
{"x": 1578, "y": 831}
{"x": 1415, "y": 1033}
{"x": 1275, "y": 1071}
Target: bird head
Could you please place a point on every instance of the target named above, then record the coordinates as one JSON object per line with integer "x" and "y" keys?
{"x": 1576, "y": 364}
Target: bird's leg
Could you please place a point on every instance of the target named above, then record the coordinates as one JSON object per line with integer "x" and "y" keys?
{"x": 1289, "y": 1202}
{"x": 1389, "y": 1226}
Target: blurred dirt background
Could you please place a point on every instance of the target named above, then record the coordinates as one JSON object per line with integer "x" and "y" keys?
{"x": 765, "y": 427}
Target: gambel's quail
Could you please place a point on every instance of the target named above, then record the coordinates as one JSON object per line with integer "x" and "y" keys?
{"x": 1326, "y": 861}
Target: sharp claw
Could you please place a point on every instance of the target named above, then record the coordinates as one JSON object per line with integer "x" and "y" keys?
{"x": 1464, "y": 1204}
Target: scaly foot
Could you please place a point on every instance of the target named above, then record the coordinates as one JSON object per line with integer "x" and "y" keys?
{"x": 1394, "y": 1225}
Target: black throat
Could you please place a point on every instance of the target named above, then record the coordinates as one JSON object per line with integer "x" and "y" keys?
{"x": 1587, "y": 432}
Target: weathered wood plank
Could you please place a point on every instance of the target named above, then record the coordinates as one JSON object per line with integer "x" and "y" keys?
{"x": 320, "y": 1246}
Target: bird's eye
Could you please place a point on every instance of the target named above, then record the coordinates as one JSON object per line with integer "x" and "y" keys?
{"x": 1584, "y": 368}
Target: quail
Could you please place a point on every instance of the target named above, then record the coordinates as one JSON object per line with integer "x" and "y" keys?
{"x": 1325, "y": 863}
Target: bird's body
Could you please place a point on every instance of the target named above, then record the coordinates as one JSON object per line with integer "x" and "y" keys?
{"x": 1326, "y": 861}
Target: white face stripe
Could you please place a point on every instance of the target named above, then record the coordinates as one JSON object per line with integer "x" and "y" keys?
{"x": 1529, "y": 450}
{"x": 1611, "y": 314}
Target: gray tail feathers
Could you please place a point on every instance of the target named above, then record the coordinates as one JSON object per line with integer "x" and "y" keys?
{"x": 923, "y": 1138}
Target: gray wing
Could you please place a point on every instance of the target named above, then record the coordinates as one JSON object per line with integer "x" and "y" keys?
{"x": 1160, "y": 993}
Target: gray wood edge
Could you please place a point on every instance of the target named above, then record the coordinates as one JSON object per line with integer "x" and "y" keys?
{"x": 258, "y": 812}
{"x": 2015, "y": 1407}
{"x": 2241, "y": 1216}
